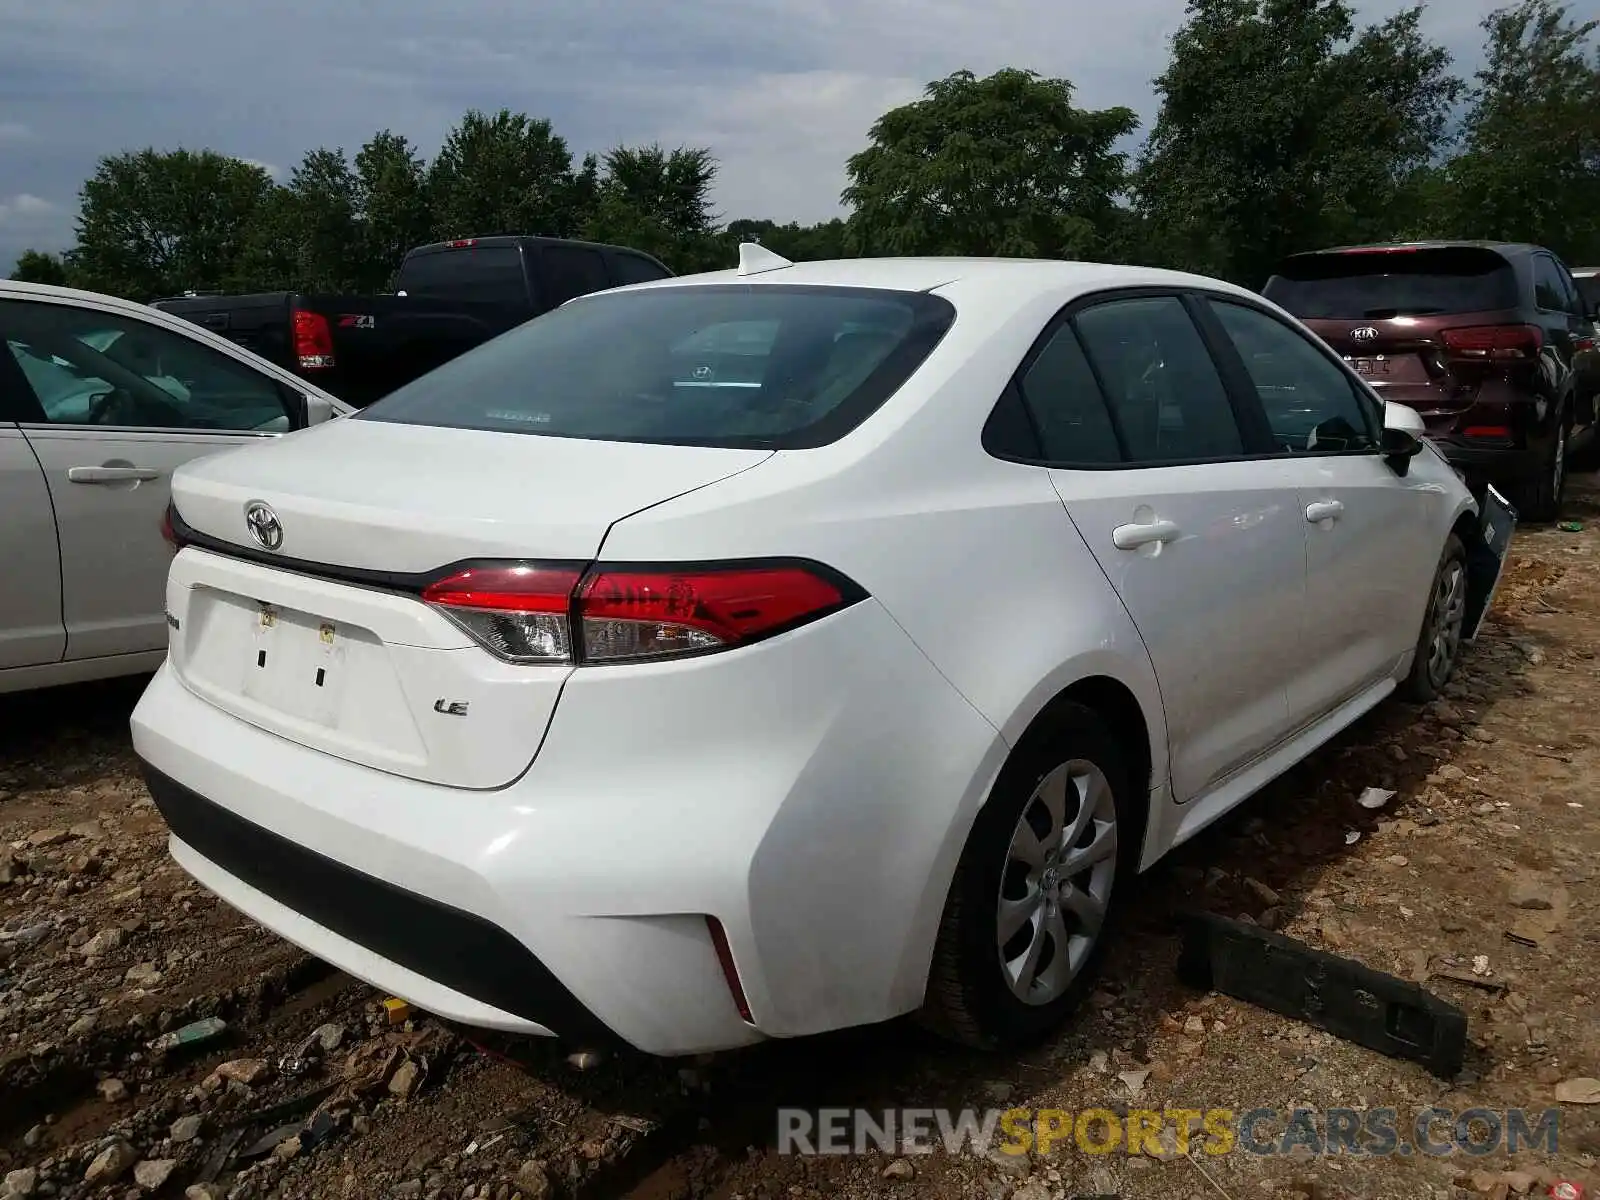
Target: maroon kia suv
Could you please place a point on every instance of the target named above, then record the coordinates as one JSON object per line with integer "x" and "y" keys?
{"x": 1484, "y": 339}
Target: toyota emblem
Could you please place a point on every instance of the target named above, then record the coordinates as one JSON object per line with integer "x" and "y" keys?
{"x": 1365, "y": 334}
{"x": 263, "y": 525}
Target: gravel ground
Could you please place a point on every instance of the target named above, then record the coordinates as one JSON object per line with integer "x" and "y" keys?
{"x": 1478, "y": 877}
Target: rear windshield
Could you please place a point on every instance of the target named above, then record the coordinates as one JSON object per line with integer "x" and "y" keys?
{"x": 1371, "y": 286}
{"x": 485, "y": 273}
{"x": 768, "y": 365}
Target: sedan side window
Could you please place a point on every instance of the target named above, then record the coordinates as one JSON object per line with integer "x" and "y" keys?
{"x": 1167, "y": 399}
{"x": 1312, "y": 406}
{"x": 1068, "y": 410}
{"x": 88, "y": 367}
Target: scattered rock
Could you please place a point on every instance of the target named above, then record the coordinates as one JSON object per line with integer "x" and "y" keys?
{"x": 1530, "y": 892}
{"x": 41, "y": 838}
{"x": 143, "y": 975}
{"x": 83, "y": 1026}
{"x": 111, "y": 1164}
{"x": 89, "y": 830}
{"x": 289, "y": 1148}
{"x": 186, "y": 1129}
{"x": 1375, "y": 798}
{"x": 329, "y": 1036}
{"x": 406, "y": 1079}
{"x": 1034, "y": 1189}
{"x": 19, "y": 1183}
{"x": 532, "y": 1181}
{"x": 248, "y": 1071}
{"x": 112, "y": 1091}
{"x": 1016, "y": 1166}
{"x": 153, "y": 1173}
{"x": 102, "y": 943}
{"x": 1578, "y": 1091}
{"x": 900, "y": 1168}
{"x": 1196, "y": 1026}
{"x": 202, "y": 1191}
{"x": 1262, "y": 892}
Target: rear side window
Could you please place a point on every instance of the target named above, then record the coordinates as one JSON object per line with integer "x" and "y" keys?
{"x": 1548, "y": 291}
{"x": 483, "y": 273}
{"x": 570, "y": 271}
{"x": 1166, "y": 396}
{"x": 1376, "y": 285}
{"x": 1064, "y": 400}
{"x": 768, "y": 366}
{"x": 635, "y": 268}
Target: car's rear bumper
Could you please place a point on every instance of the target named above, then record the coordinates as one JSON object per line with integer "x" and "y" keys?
{"x": 811, "y": 793}
{"x": 1493, "y": 463}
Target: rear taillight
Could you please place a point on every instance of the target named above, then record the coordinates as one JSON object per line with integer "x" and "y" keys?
{"x": 168, "y": 533}
{"x": 313, "y": 341}
{"x": 517, "y": 611}
{"x": 1489, "y": 433}
{"x": 556, "y": 612}
{"x": 1493, "y": 342}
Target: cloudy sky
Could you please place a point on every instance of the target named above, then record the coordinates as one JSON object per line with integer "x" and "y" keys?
{"x": 782, "y": 91}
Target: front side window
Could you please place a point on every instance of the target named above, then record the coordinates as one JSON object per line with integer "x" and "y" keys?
{"x": 87, "y": 367}
{"x": 1312, "y": 406}
{"x": 1166, "y": 395}
{"x": 768, "y": 365}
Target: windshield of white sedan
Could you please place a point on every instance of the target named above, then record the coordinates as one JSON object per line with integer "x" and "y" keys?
{"x": 766, "y": 365}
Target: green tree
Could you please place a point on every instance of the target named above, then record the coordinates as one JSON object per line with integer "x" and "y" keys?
{"x": 1529, "y": 169}
{"x": 323, "y": 195}
{"x": 658, "y": 201}
{"x": 798, "y": 243}
{"x": 506, "y": 173}
{"x": 155, "y": 223}
{"x": 392, "y": 202}
{"x": 35, "y": 266}
{"x": 1003, "y": 165}
{"x": 1281, "y": 128}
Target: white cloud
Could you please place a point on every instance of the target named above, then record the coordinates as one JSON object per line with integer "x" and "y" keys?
{"x": 25, "y": 208}
{"x": 781, "y": 91}
{"x": 276, "y": 172}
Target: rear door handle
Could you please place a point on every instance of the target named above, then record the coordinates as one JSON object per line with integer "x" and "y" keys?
{"x": 111, "y": 474}
{"x": 1131, "y": 537}
{"x": 1324, "y": 510}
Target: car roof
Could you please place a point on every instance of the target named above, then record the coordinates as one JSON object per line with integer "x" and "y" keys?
{"x": 968, "y": 276}
{"x": 1434, "y": 244}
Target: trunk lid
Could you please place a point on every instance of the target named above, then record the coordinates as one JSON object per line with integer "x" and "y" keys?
{"x": 1386, "y": 310}
{"x": 349, "y": 660}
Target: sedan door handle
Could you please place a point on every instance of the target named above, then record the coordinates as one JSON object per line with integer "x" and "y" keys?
{"x": 111, "y": 474}
{"x": 1324, "y": 510}
{"x": 1131, "y": 537}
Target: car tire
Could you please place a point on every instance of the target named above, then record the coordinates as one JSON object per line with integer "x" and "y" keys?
{"x": 1439, "y": 643}
{"x": 1538, "y": 499}
{"x": 980, "y": 975}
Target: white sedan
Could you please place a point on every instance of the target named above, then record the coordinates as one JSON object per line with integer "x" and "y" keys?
{"x": 782, "y": 649}
{"x": 100, "y": 399}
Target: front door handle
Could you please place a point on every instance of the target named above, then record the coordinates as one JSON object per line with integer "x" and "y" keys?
{"x": 1131, "y": 537}
{"x": 1324, "y": 510}
{"x": 111, "y": 474}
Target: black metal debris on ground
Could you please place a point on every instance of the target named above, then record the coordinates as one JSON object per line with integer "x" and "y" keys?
{"x": 1351, "y": 1001}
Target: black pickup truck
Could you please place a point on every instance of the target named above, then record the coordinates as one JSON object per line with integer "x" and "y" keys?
{"x": 449, "y": 297}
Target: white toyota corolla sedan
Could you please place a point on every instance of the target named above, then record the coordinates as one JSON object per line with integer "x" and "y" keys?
{"x": 775, "y": 650}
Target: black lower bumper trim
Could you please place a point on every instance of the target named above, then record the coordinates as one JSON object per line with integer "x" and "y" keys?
{"x": 454, "y": 948}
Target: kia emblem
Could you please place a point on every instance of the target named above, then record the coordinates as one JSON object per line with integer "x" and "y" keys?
{"x": 1365, "y": 334}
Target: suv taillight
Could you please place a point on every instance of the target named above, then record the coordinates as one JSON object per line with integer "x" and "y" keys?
{"x": 313, "y": 341}
{"x": 1500, "y": 342}
{"x": 561, "y": 613}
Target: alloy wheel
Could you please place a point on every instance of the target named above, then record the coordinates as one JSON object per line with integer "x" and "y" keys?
{"x": 1446, "y": 615}
{"x": 1056, "y": 884}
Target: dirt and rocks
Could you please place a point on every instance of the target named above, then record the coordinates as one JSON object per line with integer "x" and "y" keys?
{"x": 155, "y": 1043}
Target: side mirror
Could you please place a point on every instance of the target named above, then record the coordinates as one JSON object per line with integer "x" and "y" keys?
{"x": 318, "y": 409}
{"x": 1403, "y": 434}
